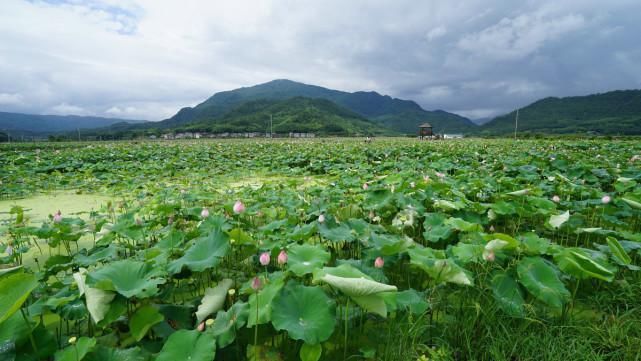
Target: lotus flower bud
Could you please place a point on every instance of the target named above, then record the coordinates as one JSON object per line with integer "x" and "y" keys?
{"x": 365, "y": 186}
{"x": 606, "y": 199}
{"x": 239, "y": 207}
{"x": 556, "y": 199}
{"x": 57, "y": 218}
{"x": 489, "y": 256}
{"x": 201, "y": 327}
{"x": 379, "y": 262}
{"x": 321, "y": 218}
{"x": 264, "y": 258}
{"x": 204, "y": 213}
{"x": 256, "y": 284}
{"x": 282, "y": 257}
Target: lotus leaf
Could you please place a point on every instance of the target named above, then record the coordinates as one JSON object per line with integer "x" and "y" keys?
{"x": 306, "y": 313}
{"x": 304, "y": 259}
{"x": 127, "y": 277}
{"x": 188, "y": 345}
{"x": 542, "y": 281}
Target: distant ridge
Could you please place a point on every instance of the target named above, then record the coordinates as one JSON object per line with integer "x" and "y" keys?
{"x": 34, "y": 124}
{"x": 615, "y": 112}
{"x": 402, "y": 116}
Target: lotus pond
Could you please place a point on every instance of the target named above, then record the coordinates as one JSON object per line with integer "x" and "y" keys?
{"x": 328, "y": 249}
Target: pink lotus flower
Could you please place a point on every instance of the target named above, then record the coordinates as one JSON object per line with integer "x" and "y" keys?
{"x": 606, "y": 199}
{"x": 239, "y": 207}
{"x": 365, "y": 186}
{"x": 282, "y": 257}
{"x": 556, "y": 199}
{"x": 321, "y": 218}
{"x": 440, "y": 175}
{"x": 57, "y": 218}
{"x": 201, "y": 327}
{"x": 204, "y": 213}
{"x": 489, "y": 256}
{"x": 264, "y": 258}
{"x": 379, "y": 262}
{"x": 256, "y": 284}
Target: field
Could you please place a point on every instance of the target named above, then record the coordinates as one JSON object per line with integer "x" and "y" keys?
{"x": 326, "y": 249}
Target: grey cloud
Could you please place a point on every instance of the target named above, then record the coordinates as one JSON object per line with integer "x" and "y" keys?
{"x": 145, "y": 59}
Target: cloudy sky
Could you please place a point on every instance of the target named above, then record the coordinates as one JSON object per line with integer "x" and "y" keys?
{"x": 145, "y": 59}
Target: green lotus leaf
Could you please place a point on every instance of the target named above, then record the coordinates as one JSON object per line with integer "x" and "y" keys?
{"x": 263, "y": 301}
{"x": 141, "y": 321}
{"x": 213, "y": 300}
{"x": 205, "y": 252}
{"x": 102, "y": 353}
{"x": 15, "y": 287}
{"x": 411, "y": 300}
{"x": 440, "y": 268}
{"x": 462, "y": 225}
{"x": 76, "y": 352}
{"x": 127, "y": 277}
{"x": 466, "y": 252}
{"x": 98, "y": 301}
{"x": 356, "y": 287}
{"x": 435, "y": 227}
{"x": 306, "y": 313}
{"x": 632, "y": 203}
{"x": 557, "y": 221}
{"x": 339, "y": 233}
{"x": 366, "y": 292}
{"x": 618, "y": 253}
{"x": 304, "y": 259}
{"x": 446, "y": 205}
{"x": 520, "y": 192}
{"x": 97, "y": 255}
{"x": 5, "y": 271}
{"x": 578, "y": 263}
{"x": 227, "y": 323}
{"x": 310, "y": 352}
{"x": 507, "y": 294}
{"x": 542, "y": 281}
{"x": 388, "y": 245}
{"x": 188, "y": 345}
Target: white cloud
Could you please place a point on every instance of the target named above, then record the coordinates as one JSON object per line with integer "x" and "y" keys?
{"x": 10, "y": 99}
{"x": 436, "y": 33}
{"x": 519, "y": 37}
{"x": 67, "y": 109}
{"x": 145, "y": 59}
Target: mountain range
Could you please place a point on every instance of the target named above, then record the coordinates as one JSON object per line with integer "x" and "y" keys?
{"x": 402, "y": 116}
{"x": 19, "y": 124}
{"x": 615, "y": 112}
{"x": 289, "y": 106}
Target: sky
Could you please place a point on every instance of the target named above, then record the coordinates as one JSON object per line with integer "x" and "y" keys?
{"x": 146, "y": 59}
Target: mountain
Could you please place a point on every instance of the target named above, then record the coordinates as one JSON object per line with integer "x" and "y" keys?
{"x": 399, "y": 115}
{"x": 33, "y": 124}
{"x": 615, "y": 112}
{"x": 298, "y": 114}
{"x": 481, "y": 121}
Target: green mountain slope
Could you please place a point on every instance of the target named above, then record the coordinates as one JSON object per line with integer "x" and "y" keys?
{"x": 35, "y": 124}
{"x": 298, "y": 114}
{"x": 616, "y": 112}
{"x": 400, "y": 115}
